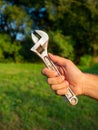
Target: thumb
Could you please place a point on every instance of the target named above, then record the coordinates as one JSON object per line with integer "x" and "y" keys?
{"x": 58, "y": 60}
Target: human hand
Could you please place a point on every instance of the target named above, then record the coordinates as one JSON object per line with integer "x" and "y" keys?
{"x": 71, "y": 76}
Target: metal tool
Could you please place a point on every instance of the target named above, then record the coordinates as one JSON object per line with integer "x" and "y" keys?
{"x": 40, "y": 48}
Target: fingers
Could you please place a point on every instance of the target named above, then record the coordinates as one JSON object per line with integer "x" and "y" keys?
{"x": 58, "y": 60}
{"x": 60, "y": 89}
{"x": 49, "y": 73}
{"x": 56, "y": 80}
{"x": 58, "y": 83}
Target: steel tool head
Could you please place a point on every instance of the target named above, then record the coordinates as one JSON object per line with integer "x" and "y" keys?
{"x": 41, "y": 43}
{"x": 43, "y": 37}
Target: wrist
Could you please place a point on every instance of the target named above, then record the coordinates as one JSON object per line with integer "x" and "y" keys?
{"x": 83, "y": 84}
{"x": 90, "y": 85}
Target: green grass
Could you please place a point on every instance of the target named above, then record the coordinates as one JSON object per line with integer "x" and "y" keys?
{"x": 28, "y": 103}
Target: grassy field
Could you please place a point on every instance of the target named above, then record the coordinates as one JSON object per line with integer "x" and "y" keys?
{"x": 28, "y": 103}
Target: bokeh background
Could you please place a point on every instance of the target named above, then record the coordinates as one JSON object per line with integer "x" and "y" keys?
{"x": 26, "y": 100}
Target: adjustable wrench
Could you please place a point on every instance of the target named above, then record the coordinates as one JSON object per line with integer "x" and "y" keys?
{"x": 40, "y": 48}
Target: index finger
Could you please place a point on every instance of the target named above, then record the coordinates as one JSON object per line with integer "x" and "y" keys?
{"x": 49, "y": 73}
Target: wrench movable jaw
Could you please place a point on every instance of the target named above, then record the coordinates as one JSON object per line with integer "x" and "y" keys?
{"x": 40, "y": 50}
{"x": 41, "y": 44}
{"x": 43, "y": 37}
{"x": 34, "y": 38}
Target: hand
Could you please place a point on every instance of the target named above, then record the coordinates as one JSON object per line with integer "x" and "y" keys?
{"x": 71, "y": 76}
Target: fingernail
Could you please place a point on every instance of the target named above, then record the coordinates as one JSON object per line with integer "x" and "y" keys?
{"x": 63, "y": 77}
{"x": 56, "y": 74}
{"x": 43, "y": 72}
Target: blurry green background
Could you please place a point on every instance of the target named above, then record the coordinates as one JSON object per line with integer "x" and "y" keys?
{"x": 26, "y": 100}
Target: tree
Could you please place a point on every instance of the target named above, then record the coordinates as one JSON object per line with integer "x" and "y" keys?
{"x": 63, "y": 46}
{"x": 9, "y": 51}
{"x": 17, "y": 21}
{"x": 15, "y": 26}
{"x": 78, "y": 19}
{"x": 75, "y": 20}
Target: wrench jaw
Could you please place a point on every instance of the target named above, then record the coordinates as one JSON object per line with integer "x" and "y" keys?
{"x": 41, "y": 44}
{"x": 34, "y": 38}
{"x": 43, "y": 37}
{"x": 41, "y": 51}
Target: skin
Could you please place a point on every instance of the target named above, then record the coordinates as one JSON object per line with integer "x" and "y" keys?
{"x": 71, "y": 76}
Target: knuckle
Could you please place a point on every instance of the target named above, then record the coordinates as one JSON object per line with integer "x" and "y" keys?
{"x": 44, "y": 71}
{"x": 66, "y": 83}
{"x": 49, "y": 81}
{"x": 61, "y": 78}
{"x": 59, "y": 92}
{"x": 53, "y": 87}
{"x": 58, "y": 80}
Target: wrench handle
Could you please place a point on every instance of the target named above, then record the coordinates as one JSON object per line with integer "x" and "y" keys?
{"x": 71, "y": 97}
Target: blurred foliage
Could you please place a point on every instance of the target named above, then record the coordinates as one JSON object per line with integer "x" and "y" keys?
{"x": 86, "y": 60}
{"x": 63, "y": 46}
{"x": 72, "y": 26}
{"x": 77, "y": 18}
{"x": 8, "y": 50}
